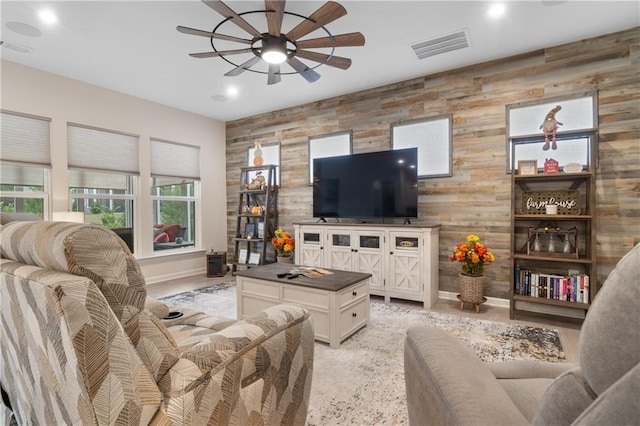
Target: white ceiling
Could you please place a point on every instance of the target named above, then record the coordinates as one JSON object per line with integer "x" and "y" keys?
{"x": 134, "y": 48}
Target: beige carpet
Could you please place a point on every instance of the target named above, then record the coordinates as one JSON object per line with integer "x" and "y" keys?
{"x": 362, "y": 382}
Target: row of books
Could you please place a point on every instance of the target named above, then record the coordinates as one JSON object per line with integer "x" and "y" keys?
{"x": 533, "y": 283}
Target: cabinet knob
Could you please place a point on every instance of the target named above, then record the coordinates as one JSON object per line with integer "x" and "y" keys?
{"x": 391, "y": 253}
{"x": 354, "y": 314}
{"x": 355, "y": 293}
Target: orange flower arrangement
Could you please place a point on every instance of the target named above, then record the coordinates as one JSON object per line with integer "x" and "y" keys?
{"x": 283, "y": 242}
{"x": 473, "y": 255}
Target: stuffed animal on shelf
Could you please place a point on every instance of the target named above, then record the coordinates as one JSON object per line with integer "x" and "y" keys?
{"x": 550, "y": 126}
{"x": 258, "y": 182}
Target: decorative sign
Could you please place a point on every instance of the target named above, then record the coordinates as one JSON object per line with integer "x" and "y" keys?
{"x": 568, "y": 202}
{"x": 551, "y": 167}
{"x": 527, "y": 167}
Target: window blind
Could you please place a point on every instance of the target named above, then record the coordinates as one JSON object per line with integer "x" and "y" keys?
{"x": 90, "y": 148}
{"x": 92, "y": 180}
{"x": 25, "y": 139}
{"x": 21, "y": 175}
{"x": 173, "y": 159}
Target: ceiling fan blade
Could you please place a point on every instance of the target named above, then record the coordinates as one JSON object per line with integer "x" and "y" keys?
{"x": 340, "y": 40}
{"x": 201, "y": 33}
{"x": 306, "y": 72}
{"x": 327, "y": 13}
{"x": 243, "y": 67}
{"x": 227, "y": 12}
{"x": 220, "y": 53}
{"x": 334, "y": 61}
{"x": 274, "y": 19}
{"x": 274, "y": 74}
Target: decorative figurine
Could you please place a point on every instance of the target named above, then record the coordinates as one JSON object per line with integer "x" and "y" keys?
{"x": 550, "y": 126}
{"x": 257, "y": 155}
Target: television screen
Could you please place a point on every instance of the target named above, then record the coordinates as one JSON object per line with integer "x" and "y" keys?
{"x": 373, "y": 185}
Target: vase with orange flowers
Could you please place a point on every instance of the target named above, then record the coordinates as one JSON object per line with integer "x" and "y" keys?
{"x": 284, "y": 244}
{"x": 474, "y": 256}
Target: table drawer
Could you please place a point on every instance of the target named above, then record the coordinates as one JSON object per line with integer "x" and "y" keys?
{"x": 309, "y": 297}
{"x": 260, "y": 288}
{"x": 355, "y": 292}
{"x": 353, "y": 317}
{"x": 251, "y": 305}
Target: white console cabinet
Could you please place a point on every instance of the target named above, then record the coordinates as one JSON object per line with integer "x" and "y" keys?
{"x": 402, "y": 259}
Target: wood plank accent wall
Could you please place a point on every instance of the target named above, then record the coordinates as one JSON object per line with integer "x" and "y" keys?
{"x": 476, "y": 199}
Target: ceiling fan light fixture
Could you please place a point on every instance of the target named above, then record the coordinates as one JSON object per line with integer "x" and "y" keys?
{"x": 275, "y": 46}
{"x": 274, "y": 56}
{"x": 273, "y": 50}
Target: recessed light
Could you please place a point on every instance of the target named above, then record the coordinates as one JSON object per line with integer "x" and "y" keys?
{"x": 47, "y": 16}
{"x": 232, "y": 91}
{"x": 496, "y": 10}
{"x": 24, "y": 29}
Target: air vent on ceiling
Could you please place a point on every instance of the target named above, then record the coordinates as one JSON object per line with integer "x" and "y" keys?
{"x": 15, "y": 47}
{"x": 442, "y": 44}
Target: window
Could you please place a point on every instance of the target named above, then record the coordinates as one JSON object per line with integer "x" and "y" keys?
{"x": 103, "y": 166}
{"x": 432, "y": 137}
{"x": 24, "y": 189}
{"x": 329, "y": 145}
{"x": 575, "y": 119}
{"x": 25, "y": 162}
{"x": 106, "y": 199}
{"x": 175, "y": 193}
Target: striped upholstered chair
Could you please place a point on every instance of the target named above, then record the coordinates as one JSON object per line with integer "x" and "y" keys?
{"x": 79, "y": 347}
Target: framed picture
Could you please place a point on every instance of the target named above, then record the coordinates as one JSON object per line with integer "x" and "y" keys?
{"x": 261, "y": 229}
{"x": 329, "y": 145}
{"x": 270, "y": 155}
{"x": 527, "y": 167}
{"x": 432, "y": 137}
{"x": 242, "y": 256}
{"x": 254, "y": 259}
{"x": 250, "y": 230}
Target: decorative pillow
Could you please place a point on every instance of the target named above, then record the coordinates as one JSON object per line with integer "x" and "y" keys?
{"x": 172, "y": 230}
{"x": 161, "y": 238}
{"x": 565, "y": 399}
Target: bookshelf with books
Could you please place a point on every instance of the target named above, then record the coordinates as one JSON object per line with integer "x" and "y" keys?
{"x": 257, "y": 217}
{"x": 553, "y": 262}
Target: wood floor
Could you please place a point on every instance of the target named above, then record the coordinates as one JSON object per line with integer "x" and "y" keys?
{"x": 569, "y": 332}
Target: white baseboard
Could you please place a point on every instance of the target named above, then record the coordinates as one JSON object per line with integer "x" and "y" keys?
{"x": 491, "y": 301}
{"x": 175, "y": 275}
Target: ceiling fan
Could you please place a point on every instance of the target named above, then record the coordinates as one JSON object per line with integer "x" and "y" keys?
{"x": 276, "y": 47}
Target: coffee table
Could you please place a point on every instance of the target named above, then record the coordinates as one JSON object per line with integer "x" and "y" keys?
{"x": 338, "y": 303}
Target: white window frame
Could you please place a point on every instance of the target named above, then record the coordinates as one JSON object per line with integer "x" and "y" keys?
{"x": 186, "y": 153}
{"x": 45, "y": 195}
{"x": 36, "y": 153}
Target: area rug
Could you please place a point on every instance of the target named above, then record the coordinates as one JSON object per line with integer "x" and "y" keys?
{"x": 362, "y": 382}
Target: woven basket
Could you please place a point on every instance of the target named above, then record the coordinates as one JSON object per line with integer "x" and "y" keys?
{"x": 471, "y": 288}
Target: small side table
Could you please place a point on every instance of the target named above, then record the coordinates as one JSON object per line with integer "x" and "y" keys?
{"x": 216, "y": 264}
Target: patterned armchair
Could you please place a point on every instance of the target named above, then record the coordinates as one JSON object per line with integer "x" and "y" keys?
{"x": 79, "y": 346}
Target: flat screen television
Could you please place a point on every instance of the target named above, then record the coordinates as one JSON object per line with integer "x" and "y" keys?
{"x": 373, "y": 185}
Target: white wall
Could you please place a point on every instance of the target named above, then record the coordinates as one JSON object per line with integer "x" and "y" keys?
{"x": 32, "y": 91}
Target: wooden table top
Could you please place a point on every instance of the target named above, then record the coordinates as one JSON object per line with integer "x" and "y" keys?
{"x": 337, "y": 281}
